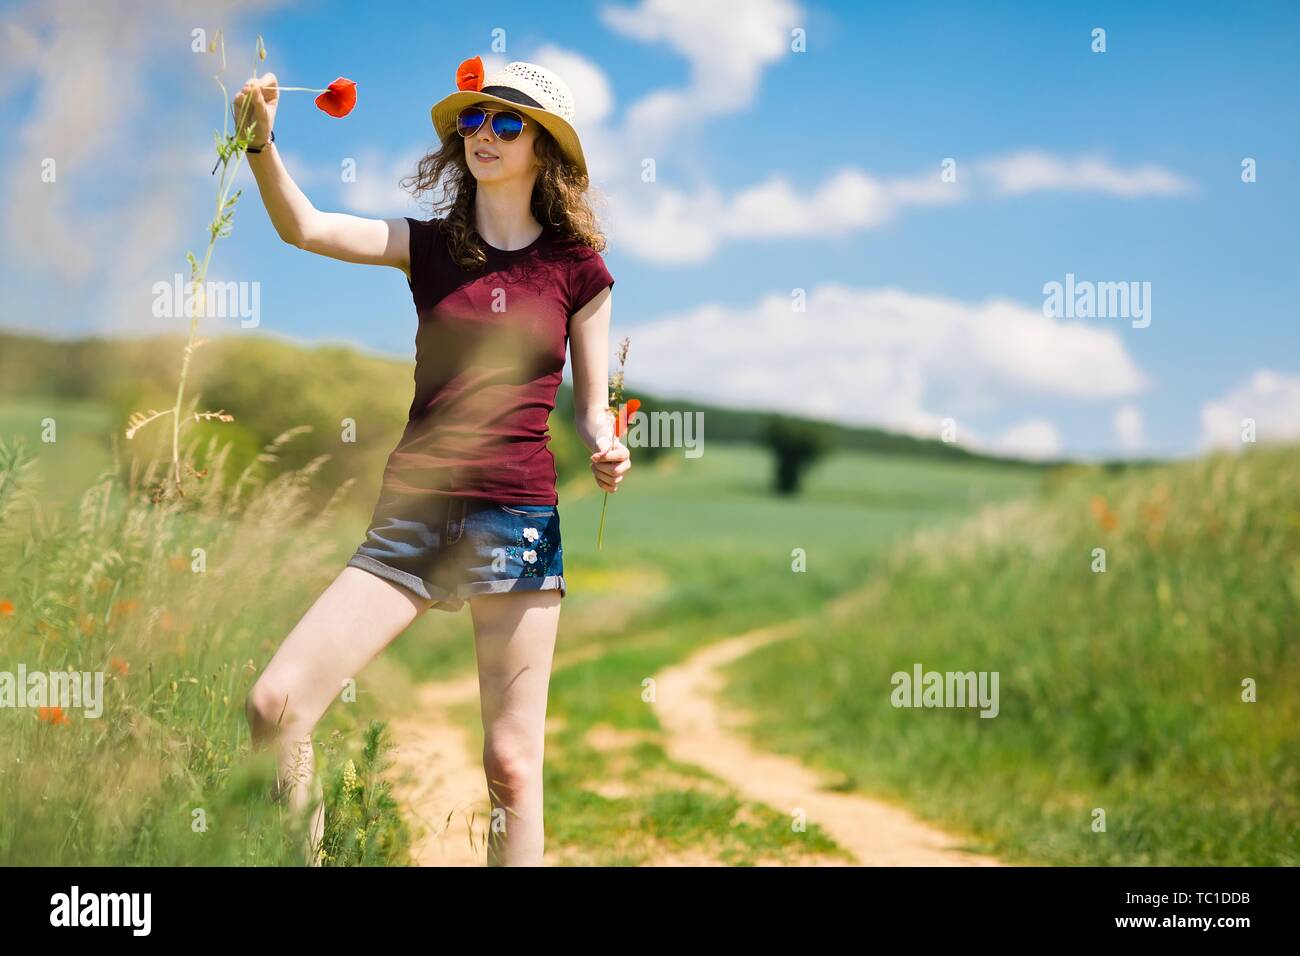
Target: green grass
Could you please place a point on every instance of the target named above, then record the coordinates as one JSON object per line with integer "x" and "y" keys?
{"x": 1119, "y": 691}
{"x": 80, "y": 448}
{"x": 165, "y": 775}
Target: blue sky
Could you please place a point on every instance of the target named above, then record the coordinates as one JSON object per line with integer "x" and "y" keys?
{"x": 775, "y": 170}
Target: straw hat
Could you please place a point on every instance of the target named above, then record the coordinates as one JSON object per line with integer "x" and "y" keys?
{"x": 531, "y": 89}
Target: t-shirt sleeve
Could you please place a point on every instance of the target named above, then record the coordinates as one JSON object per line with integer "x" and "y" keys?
{"x": 588, "y": 277}
{"x": 423, "y": 235}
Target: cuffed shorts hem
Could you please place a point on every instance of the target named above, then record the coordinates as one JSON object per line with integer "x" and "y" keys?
{"x": 535, "y": 583}
{"x": 445, "y": 600}
{"x": 416, "y": 585}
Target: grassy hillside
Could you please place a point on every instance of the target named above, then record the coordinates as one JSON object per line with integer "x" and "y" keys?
{"x": 1120, "y": 690}
{"x": 91, "y": 386}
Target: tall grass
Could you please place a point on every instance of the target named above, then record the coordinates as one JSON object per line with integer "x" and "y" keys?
{"x": 173, "y": 600}
{"x": 1124, "y": 691}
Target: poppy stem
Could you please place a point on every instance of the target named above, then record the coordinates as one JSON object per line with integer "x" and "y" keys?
{"x": 298, "y": 89}
{"x": 600, "y": 532}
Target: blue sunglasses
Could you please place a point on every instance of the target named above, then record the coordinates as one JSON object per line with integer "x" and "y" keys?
{"x": 506, "y": 124}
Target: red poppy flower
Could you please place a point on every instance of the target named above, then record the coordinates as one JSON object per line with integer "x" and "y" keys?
{"x": 469, "y": 75}
{"x": 52, "y": 715}
{"x": 620, "y": 423}
{"x": 339, "y": 97}
{"x": 6, "y": 608}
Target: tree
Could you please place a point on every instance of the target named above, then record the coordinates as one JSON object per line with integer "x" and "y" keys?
{"x": 796, "y": 445}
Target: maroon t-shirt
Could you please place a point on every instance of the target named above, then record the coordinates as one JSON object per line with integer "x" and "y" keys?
{"x": 489, "y": 357}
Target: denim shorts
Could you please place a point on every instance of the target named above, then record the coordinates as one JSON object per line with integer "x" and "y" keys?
{"x": 445, "y": 548}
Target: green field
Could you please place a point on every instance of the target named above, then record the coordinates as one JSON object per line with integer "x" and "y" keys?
{"x": 1120, "y": 691}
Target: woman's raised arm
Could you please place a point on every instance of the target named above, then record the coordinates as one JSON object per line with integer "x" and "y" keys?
{"x": 384, "y": 242}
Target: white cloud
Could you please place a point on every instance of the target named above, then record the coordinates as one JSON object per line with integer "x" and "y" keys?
{"x": 1033, "y": 170}
{"x": 1035, "y": 438}
{"x": 1271, "y": 399}
{"x": 674, "y": 226}
{"x": 1129, "y": 428}
{"x": 881, "y": 357}
{"x": 727, "y": 47}
{"x": 376, "y": 191}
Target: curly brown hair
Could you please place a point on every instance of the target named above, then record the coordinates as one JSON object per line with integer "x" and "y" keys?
{"x": 559, "y": 196}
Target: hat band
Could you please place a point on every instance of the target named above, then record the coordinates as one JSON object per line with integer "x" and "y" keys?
{"x": 513, "y": 95}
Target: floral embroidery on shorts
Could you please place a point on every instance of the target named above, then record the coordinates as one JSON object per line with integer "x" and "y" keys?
{"x": 535, "y": 559}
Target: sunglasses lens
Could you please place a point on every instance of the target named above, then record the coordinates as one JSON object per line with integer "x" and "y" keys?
{"x": 469, "y": 120}
{"x": 507, "y": 126}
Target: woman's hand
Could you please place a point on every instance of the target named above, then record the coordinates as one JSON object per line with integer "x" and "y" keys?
{"x": 264, "y": 94}
{"x": 611, "y": 463}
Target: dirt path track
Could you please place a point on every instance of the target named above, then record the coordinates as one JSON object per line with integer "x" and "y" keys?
{"x": 439, "y": 778}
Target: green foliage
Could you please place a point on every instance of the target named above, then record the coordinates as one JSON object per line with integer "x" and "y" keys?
{"x": 363, "y": 827}
{"x": 795, "y": 447}
{"x": 1120, "y": 689}
{"x": 117, "y": 587}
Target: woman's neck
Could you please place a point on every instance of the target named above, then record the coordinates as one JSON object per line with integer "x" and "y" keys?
{"x": 504, "y": 221}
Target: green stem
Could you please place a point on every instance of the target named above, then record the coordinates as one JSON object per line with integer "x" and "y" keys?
{"x": 228, "y": 173}
{"x": 600, "y": 533}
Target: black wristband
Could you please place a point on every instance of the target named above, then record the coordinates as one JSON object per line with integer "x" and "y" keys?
{"x": 250, "y": 149}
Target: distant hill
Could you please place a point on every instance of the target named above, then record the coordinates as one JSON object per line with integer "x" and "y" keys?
{"x": 271, "y": 385}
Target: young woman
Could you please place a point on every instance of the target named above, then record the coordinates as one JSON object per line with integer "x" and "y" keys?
{"x": 468, "y": 512}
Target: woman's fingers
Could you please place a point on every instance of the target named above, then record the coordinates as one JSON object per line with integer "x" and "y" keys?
{"x": 607, "y": 480}
{"x": 610, "y": 466}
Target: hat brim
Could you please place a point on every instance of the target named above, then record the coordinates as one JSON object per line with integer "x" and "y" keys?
{"x": 445, "y": 111}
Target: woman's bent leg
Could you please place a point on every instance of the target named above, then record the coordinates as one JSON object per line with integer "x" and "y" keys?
{"x": 355, "y": 618}
{"x": 514, "y": 639}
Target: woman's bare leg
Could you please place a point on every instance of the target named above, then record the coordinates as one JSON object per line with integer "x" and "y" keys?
{"x": 355, "y": 618}
{"x": 514, "y": 641}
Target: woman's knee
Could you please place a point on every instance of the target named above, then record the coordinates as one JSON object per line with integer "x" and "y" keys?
{"x": 274, "y": 704}
{"x": 511, "y": 761}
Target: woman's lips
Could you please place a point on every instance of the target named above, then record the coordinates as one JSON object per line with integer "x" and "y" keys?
{"x": 484, "y": 157}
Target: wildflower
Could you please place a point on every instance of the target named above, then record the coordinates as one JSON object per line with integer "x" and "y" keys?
{"x": 119, "y": 666}
{"x": 178, "y": 563}
{"x": 6, "y": 608}
{"x": 630, "y": 409}
{"x": 615, "y": 401}
{"x": 469, "y": 75}
{"x": 349, "y": 777}
{"x": 52, "y": 715}
{"x": 1106, "y": 519}
{"x": 125, "y": 607}
{"x": 339, "y": 98}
